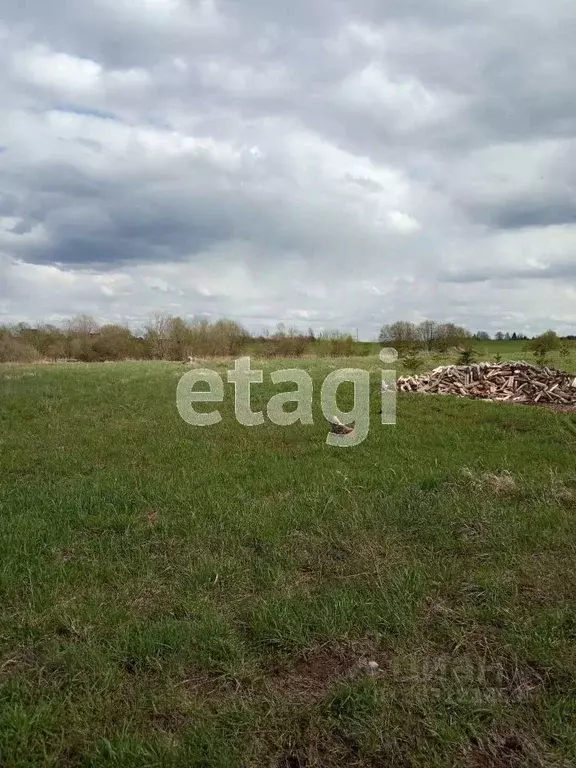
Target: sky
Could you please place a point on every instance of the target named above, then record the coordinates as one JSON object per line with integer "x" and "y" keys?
{"x": 335, "y": 164}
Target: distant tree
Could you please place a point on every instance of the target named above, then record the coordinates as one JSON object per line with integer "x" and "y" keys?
{"x": 546, "y": 342}
{"x": 156, "y": 335}
{"x": 202, "y": 342}
{"x": 80, "y": 336}
{"x": 179, "y": 339}
{"x": 499, "y": 336}
{"x": 114, "y": 342}
{"x": 229, "y": 337}
{"x": 81, "y": 325}
{"x": 542, "y": 345}
{"x": 399, "y": 334}
{"x": 450, "y": 335}
{"x": 427, "y": 333}
{"x": 482, "y": 336}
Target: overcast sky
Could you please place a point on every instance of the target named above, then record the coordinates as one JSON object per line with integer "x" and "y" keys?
{"x": 325, "y": 163}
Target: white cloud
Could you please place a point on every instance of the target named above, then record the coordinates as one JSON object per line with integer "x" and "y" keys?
{"x": 58, "y": 71}
{"x": 403, "y": 223}
{"x": 408, "y": 102}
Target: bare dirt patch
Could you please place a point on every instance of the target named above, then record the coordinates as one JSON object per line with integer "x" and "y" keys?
{"x": 311, "y": 677}
{"x": 206, "y": 685}
{"x": 510, "y": 750}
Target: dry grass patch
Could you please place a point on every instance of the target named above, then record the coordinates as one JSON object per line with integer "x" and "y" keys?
{"x": 561, "y": 492}
{"x": 494, "y": 483}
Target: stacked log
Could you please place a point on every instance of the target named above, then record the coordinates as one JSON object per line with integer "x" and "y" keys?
{"x": 508, "y": 382}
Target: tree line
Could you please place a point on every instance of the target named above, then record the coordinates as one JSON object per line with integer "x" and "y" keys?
{"x": 413, "y": 340}
{"x": 431, "y": 335}
{"x": 173, "y": 338}
{"x": 164, "y": 338}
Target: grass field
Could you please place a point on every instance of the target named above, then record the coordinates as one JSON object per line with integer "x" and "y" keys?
{"x": 211, "y": 598}
{"x": 514, "y": 350}
{"x": 490, "y": 351}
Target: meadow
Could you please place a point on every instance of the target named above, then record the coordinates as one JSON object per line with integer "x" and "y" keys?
{"x": 236, "y": 597}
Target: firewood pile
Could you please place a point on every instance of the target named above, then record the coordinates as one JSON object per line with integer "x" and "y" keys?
{"x": 512, "y": 382}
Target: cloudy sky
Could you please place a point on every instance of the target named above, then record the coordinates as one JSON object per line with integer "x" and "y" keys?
{"x": 325, "y": 163}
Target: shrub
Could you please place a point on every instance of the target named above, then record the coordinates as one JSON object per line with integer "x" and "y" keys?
{"x": 412, "y": 361}
{"x": 14, "y": 350}
{"x": 467, "y": 356}
{"x": 113, "y": 342}
{"x": 542, "y": 345}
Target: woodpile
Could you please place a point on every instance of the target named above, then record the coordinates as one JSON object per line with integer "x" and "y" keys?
{"x": 509, "y": 382}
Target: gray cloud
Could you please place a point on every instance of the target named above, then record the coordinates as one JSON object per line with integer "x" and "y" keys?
{"x": 323, "y": 163}
{"x": 529, "y": 213}
{"x": 555, "y": 271}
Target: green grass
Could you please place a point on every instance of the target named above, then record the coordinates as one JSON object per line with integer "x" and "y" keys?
{"x": 494, "y": 351}
{"x": 208, "y": 598}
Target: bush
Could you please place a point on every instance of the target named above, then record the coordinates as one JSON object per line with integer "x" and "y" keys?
{"x": 14, "y": 350}
{"x": 113, "y": 342}
{"x": 228, "y": 338}
{"x": 335, "y": 344}
{"x": 172, "y": 338}
{"x": 542, "y": 345}
{"x": 288, "y": 346}
{"x": 81, "y": 348}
